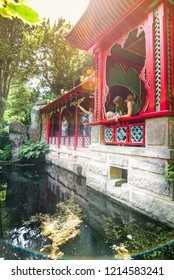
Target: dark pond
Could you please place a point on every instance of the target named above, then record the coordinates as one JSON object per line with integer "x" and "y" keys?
{"x": 106, "y": 230}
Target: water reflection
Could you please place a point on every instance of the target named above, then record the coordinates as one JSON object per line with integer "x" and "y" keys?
{"x": 24, "y": 192}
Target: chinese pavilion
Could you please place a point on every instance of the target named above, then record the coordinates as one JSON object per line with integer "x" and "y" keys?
{"x": 133, "y": 46}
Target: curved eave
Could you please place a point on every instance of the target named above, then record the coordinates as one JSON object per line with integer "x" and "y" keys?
{"x": 100, "y": 17}
{"x": 76, "y": 92}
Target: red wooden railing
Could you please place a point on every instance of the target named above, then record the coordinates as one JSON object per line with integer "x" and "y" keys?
{"x": 125, "y": 134}
{"x": 83, "y": 141}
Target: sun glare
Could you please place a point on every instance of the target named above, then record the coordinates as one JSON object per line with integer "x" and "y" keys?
{"x": 71, "y": 10}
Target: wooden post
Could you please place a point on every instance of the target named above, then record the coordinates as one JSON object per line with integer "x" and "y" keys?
{"x": 171, "y": 7}
{"x": 59, "y": 131}
{"x": 47, "y": 129}
{"x": 164, "y": 97}
{"x": 150, "y": 62}
{"x": 76, "y": 128}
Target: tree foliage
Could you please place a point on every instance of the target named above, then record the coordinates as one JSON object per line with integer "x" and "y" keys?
{"x": 5, "y": 148}
{"x": 56, "y": 64}
{"x": 11, "y": 43}
{"x": 30, "y": 53}
{"x": 39, "y": 55}
{"x": 17, "y": 9}
{"x": 20, "y": 102}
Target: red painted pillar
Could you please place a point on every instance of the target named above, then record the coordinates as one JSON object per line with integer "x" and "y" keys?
{"x": 59, "y": 131}
{"x": 76, "y": 128}
{"x": 171, "y": 9}
{"x": 101, "y": 87}
{"x": 47, "y": 129}
{"x": 97, "y": 86}
{"x": 148, "y": 72}
{"x": 164, "y": 96}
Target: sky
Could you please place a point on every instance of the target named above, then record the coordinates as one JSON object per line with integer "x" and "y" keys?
{"x": 71, "y": 10}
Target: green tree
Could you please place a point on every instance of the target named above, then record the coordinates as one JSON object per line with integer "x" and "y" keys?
{"x": 11, "y": 34}
{"x": 11, "y": 43}
{"x": 20, "y": 102}
{"x": 37, "y": 53}
{"x": 56, "y": 64}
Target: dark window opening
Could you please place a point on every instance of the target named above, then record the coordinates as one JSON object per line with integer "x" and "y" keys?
{"x": 123, "y": 69}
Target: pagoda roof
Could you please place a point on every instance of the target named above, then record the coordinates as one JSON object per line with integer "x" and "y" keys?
{"x": 100, "y": 17}
{"x": 83, "y": 89}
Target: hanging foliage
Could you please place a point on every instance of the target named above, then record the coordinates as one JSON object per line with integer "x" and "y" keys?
{"x": 11, "y": 9}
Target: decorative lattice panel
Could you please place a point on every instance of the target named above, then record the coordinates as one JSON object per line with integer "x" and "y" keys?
{"x": 67, "y": 141}
{"x": 127, "y": 134}
{"x": 80, "y": 141}
{"x": 121, "y": 134}
{"x": 87, "y": 141}
{"x": 62, "y": 141}
{"x": 157, "y": 61}
{"x": 108, "y": 134}
{"x": 136, "y": 133}
{"x": 72, "y": 141}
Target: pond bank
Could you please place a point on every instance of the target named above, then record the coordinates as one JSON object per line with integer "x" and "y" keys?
{"x": 134, "y": 177}
{"x": 27, "y": 191}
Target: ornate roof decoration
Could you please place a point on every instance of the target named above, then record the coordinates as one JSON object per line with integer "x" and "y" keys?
{"x": 99, "y": 17}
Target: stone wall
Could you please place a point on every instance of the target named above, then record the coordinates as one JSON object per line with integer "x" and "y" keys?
{"x": 17, "y": 136}
{"x": 133, "y": 176}
{"x": 35, "y": 126}
{"x": 145, "y": 189}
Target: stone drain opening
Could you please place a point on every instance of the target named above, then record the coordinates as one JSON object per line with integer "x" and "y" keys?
{"x": 118, "y": 176}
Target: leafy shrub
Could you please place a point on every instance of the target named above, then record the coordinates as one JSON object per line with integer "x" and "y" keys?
{"x": 5, "y": 153}
{"x": 5, "y": 148}
{"x": 33, "y": 152}
{"x": 170, "y": 173}
{"x": 3, "y": 134}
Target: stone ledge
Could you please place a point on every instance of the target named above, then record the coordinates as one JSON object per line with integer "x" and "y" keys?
{"x": 154, "y": 183}
{"x": 154, "y": 207}
{"x": 135, "y": 151}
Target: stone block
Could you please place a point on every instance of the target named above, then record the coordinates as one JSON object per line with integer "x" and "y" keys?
{"x": 97, "y": 200}
{"x": 156, "y": 132}
{"x": 97, "y": 168}
{"x": 171, "y": 133}
{"x": 17, "y": 136}
{"x": 121, "y": 193}
{"x": 35, "y": 126}
{"x": 118, "y": 160}
{"x": 96, "y": 182}
{"x": 149, "y": 181}
{"x": 154, "y": 207}
{"x": 96, "y": 134}
{"x": 157, "y": 166}
{"x": 159, "y": 132}
{"x": 98, "y": 156}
